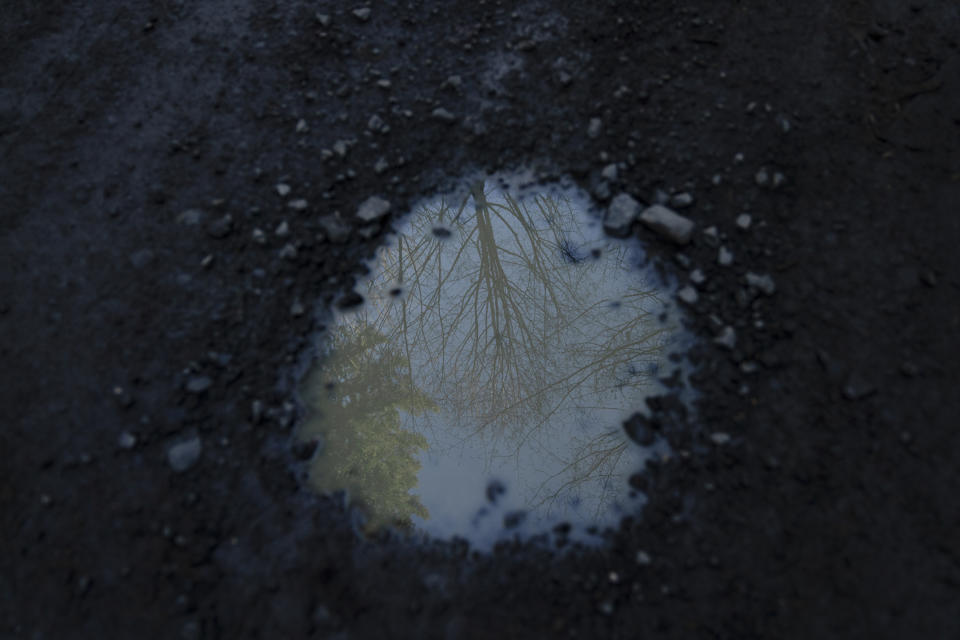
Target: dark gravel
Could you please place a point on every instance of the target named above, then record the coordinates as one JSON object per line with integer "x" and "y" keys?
{"x": 141, "y": 145}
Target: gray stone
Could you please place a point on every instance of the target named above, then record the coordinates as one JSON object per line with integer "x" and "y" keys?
{"x": 140, "y": 259}
{"x": 688, "y": 295}
{"x": 127, "y": 440}
{"x": 373, "y": 208}
{"x": 282, "y": 230}
{"x": 711, "y": 236}
{"x": 283, "y": 190}
{"x": 621, "y": 214}
{"x": 643, "y": 558}
{"x": 335, "y": 229}
{"x": 375, "y": 123}
{"x": 443, "y": 115}
{"x": 302, "y": 126}
{"x": 340, "y": 147}
{"x": 724, "y": 257}
{"x": 720, "y": 438}
{"x": 185, "y": 454}
{"x": 594, "y": 128}
{"x": 762, "y": 177}
{"x": 762, "y": 282}
{"x": 610, "y": 172}
{"x": 259, "y": 236}
{"x": 323, "y": 19}
{"x": 221, "y": 227}
{"x": 744, "y": 221}
{"x": 381, "y": 165}
{"x": 192, "y": 217}
{"x": 298, "y": 205}
{"x": 697, "y": 277}
{"x": 198, "y": 384}
{"x": 727, "y": 338}
{"x": 362, "y": 14}
{"x": 288, "y": 252}
{"x": 681, "y": 200}
{"x": 668, "y": 223}
{"x": 296, "y": 309}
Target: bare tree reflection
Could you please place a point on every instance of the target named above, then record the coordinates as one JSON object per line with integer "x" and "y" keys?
{"x": 504, "y": 326}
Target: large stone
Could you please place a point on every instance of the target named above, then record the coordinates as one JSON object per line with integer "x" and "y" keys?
{"x": 622, "y": 212}
{"x": 373, "y": 208}
{"x": 668, "y": 223}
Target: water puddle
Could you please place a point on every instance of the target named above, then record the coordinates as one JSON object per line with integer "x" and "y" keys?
{"x": 480, "y": 391}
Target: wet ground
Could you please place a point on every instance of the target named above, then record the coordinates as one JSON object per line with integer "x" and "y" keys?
{"x": 158, "y": 290}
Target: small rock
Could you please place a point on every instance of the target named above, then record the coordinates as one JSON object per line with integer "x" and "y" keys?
{"x": 298, "y": 205}
{"x": 198, "y": 384}
{"x": 302, "y": 126}
{"x": 681, "y": 200}
{"x": 207, "y": 261}
{"x": 724, "y": 257}
{"x": 639, "y": 430}
{"x": 593, "y": 129}
{"x": 762, "y": 177}
{"x": 283, "y": 190}
{"x": 858, "y": 388}
{"x": 373, "y": 208}
{"x": 454, "y": 82}
{"x": 711, "y": 236}
{"x": 443, "y": 115}
{"x": 221, "y": 227}
{"x": 256, "y": 411}
{"x": 514, "y": 519}
{"x": 375, "y": 123}
{"x": 296, "y": 309}
{"x": 602, "y": 191}
{"x": 762, "y": 282}
{"x": 350, "y": 300}
{"x": 495, "y": 489}
{"x": 688, "y": 295}
{"x": 335, "y": 229}
{"x": 720, "y": 438}
{"x": 643, "y": 558}
{"x": 697, "y": 277}
{"x": 184, "y": 455}
{"x": 323, "y": 19}
{"x": 140, "y": 259}
{"x": 381, "y": 166}
{"x": 621, "y": 214}
{"x": 288, "y": 252}
{"x": 727, "y": 338}
{"x": 191, "y": 217}
{"x": 668, "y": 223}
{"x": 259, "y": 236}
{"x": 778, "y": 180}
{"x": 744, "y": 221}
{"x": 127, "y": 440}
{"x": 282, "y": 230}
{"x": 362, "y": 14}
{"x": 610, "y": 172}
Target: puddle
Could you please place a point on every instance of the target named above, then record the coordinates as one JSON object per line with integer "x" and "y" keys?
{"x": 481, "y": 389}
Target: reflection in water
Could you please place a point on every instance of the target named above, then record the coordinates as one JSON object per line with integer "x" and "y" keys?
{"x": 485, "y": 381}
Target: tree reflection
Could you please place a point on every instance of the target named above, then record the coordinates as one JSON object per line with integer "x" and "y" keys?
{"x": 356, "y": 402}
{"x": 503, "y": 338}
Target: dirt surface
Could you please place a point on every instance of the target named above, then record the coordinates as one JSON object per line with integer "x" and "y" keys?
{"x": 128, "y": 326}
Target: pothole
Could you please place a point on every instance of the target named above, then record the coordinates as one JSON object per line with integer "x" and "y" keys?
{"x": 481, "y": 388}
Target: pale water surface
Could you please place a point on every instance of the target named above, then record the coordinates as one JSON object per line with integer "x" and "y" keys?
{"x": 480, "y": 390}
